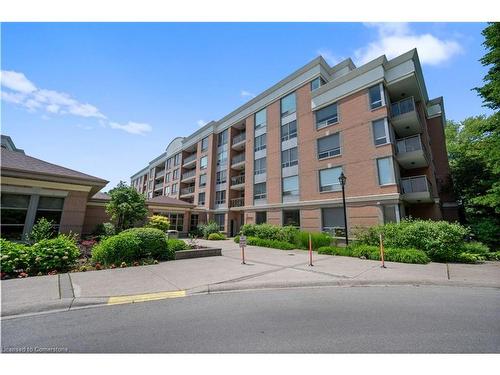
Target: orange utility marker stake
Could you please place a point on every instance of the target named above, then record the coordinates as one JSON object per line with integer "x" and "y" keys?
{"x": 382, "y": 250}
{"x": 310, "y": 251}
{"x": 243, "y": 243}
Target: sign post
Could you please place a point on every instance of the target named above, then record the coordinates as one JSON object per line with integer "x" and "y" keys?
{"x": 243, "y": 243}
{"x": 382, "y": 250}
{"x": 310, "y": 251}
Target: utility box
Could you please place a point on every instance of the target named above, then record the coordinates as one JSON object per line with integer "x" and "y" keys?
{"x": 171, "y": 233}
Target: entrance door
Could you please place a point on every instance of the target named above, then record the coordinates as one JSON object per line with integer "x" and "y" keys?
{"x": 232, "y": 228}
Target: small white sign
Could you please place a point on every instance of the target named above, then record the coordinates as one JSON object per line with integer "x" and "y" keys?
{"x": 243, "y": 241}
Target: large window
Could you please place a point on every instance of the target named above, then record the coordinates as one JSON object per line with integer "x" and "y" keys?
{"x": 221, "y": 177}
{"x": 391, "y": 213}
{"x": 261, "y": 217}
{"x": 375, "y": 94}
{"x": 259, "y": 191}
{"x": 317, "y": 83}
{"x": 222, "y": 138}
{"x": 193, "y": 224}
{"x": 175, "y": 174}
{"x": 291, "y": 186}
{"x": 167, "y": 190}
{"x": 50, "y": 208}
{"x": 204, "y": 162}
{"x": 14, "y": 210}
{"x": 201, "y": 199}
{"x": 176, "y": 220}
{"x": 174, "y": 188}
{"x": 329, "y": 179}
{"x": 289, "y": 131}
{"x": 204, "y": 144}
{"x": 385, "y": 171}
{"x": 203, "y": 180}
{"x": 220, "y": 197}
{"x": 222, "y": 158}
{"x": 220, "y": 219}
{"x": 288, "y": 105}
{"x": 289, "y": 157}
{"x": 327, "y": 116}
{"x": 169, "y": 163}
{"x": 333, "y": 221}
{"x": 329, "y": 146}
{"x": 167, "y": 177}
{"x": 260, "y": 166}
{"x": 177, "y": 159}
{"x": 260, "y": 142}
{"x": 291, "y": 217}
{"x": 380, "y": 132}
{"x": 260, "y": 119}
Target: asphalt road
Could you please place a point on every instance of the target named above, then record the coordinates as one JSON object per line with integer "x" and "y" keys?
{"x": 397, "y": 319}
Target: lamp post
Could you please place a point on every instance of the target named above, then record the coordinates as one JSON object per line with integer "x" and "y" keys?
{"x": 342, "y": 180}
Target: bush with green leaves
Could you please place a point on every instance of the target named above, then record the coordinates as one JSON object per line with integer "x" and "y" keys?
{"x": 317, "y": 240}
{"x": 373, "y": 252}
{"x": 42, "y": 230}
{"x": 104, "y": 230}
{"x": 176, "y": 245}
{"x": 14, "y": 256}
{"x": 158, "y": 222}
{"x": 209, "y": 228}
{"x": 123, "y": 247}
{"x": 55, "y": 254}
{"x": 275, "y": 244}
{"x": 153, "y": 243}
{"x": 270, "y": 232}
{"x": 470, "y": 258}
{"x": 334, "y": 250}
{"x": 475, "y": 248}
{"x": 216, "y": 236}
{"x": 493, "y": 255}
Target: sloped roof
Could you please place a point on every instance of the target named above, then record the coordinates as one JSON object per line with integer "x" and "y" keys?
{"x": 101, "y": 196}
{"x": 163, "y": 200}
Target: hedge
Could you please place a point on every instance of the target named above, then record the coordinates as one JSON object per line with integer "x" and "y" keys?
{"x": 216, "y": 236}
{"x": 123, "y": 247}
{"x": 275, "y": 244}
{"x": 176, "y": 245}
{"x": 373, "y": 252}
{"x": 153, "y": 243}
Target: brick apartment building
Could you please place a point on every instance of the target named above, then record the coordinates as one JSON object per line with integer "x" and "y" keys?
{"x": 277, "y": 158}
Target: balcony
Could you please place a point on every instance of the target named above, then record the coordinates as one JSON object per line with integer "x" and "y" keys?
{"x": 160, "y": 173}
{"x": 416, "y": 189}
{"x": 405, "y": 119}
{"x": 159, "y": 186}
{"x": 411, "y": 153}
{"x": 187, "y": 191}
{"x": 189, "y": 176}
{"x": 189, "y": 162}
{"x": 238, "y": 182}
{"x": 239, "y": 142}
{"x": 238, "y": 202}
{"x": 238, "y": 162}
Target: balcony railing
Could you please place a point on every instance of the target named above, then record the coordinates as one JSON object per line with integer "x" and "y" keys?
{"x": 188, "y": 174}
{"x": 160, "y": 173}
{"x": 416, "y": 184}
{"x": 188, "y": 190}
{"x": 403, "y": 106}
{"x": 239, "y": 138}
{"x": 189, "y": 159}
{"x": 238, "y": 159}
{"x": 159, "y": 186}
{"x": 238, "y": 202}
{"x": 409, "y": 144}
{"x": 237, "y": 180}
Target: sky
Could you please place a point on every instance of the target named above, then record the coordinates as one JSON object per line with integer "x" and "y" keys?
{"x": 106, "y": 98}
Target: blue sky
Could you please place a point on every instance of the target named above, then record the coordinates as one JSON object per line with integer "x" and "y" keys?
{"x": 106, "y": 98}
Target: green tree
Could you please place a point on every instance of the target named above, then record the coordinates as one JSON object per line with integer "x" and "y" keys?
{"x": 126, "y": 206}
{"x": 490, "y": 92}
{"x": 159, "y": 222}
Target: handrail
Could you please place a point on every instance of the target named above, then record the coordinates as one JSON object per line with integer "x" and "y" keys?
{"x": 403, "y": 106}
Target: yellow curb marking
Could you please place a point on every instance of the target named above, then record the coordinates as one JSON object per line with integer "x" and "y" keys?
{"x": 145, "y": 297}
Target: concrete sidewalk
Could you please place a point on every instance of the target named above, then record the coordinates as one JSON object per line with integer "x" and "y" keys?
{"x": 265, "y": 268}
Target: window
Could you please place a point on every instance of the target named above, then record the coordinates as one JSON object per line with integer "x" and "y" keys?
{"x": 222, "y": 158}
{"x": 177, "y": 160}
{"x": 375, "y": 94}
{"x": 204, "y": 144}
{"x": 14, "y": 209}
{"x": 193, "y": 224}
{"x": 329, "y": 146}
{"x": 176, "y": 220}
{"x": 221, "y": 177}
{"x": 317, "y": 83}
{"x": 260, "y": 119}
{"x": 289, "y": 131}
{"x": 291, "y": 217}
{"x": 260, "y": 166}
{"x": 329, "y": 179}
{"x": 385, "y": 171}
{"x": 291, "y": 186}
{"x": 169, "y": 163}
{"x": 174, "y": 188}
{"x": 288, "y": 105}
{"x": 260, "y": 217}
{"x": 327, "y": 116}
{"x": 260, "y": 142}
{"x": 203, "y": 180}
{"x": 380, "y": 132}
{"x": 167, "y": 177}
{"x": 222, "y": 138}
{"x": 175, "y": 174}
{"x": 50, "y": 208}
{"x": 391, "y": 213}
{"x": 333, "y": 221}
{"x": 167, "y": 190}
{"x": 220, "y": 197}
{"x": 201, "y": 199}
{"x": 204, "y": 162}
{"x": 289, "y": 157}
{"x": 259, "y": 191}
{"x": 220, "y": 219}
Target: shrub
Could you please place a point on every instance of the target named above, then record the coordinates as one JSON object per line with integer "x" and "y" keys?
{"x": 237, "y": 239}
{"x": 317, "y": 239}
{"x": 176, "y": 245}
{"x": 270, "y": 232}
{"x": 470, "y": 258}
{"x": 42, "y": 230}
{"x": 158, "y": 222}
{"x": 208, "y": 228}
{"x": 493, "y": 255}
{"x": 123, "y": 247}
{"x": 333, "y": 250}
{"x": 216, "y": 236}
{"x": 475, "y": 248}
{"x": 104, "y": 230}
{"x": 15, "y": 256}
{"x": 56, "y": 254}
{"x": 153, "y": 243}
{"x": 373, "y": 253}
{"x": 275, "y": 244}
{"x": 362, "y": 250}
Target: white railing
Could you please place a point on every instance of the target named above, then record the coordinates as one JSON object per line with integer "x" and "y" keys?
{"x": 237, "y": 180}
{"x": 188, "y": 190}
{"x": 189, "y": 159}
{"x": 188, "y": 174}
{"x": 238, "y": 159}
{"x": 239, "y": 138}
{"x": 238, "y": 202}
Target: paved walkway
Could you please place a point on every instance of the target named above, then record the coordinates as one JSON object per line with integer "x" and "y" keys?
{"x": 265, "y": 268}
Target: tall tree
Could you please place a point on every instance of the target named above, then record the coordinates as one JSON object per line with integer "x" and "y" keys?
{"x": 490, "y": 92}
{"x": 126, "y": 207}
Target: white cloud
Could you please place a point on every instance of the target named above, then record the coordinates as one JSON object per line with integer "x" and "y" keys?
{"x": 201, "y": 123}
{"x": 14, "y": 98}
{"x": 16, "y": 82}
{"x": 397, "y": 38}
{"x": 329, "y": 56}
{"x": 246, "y": 94}
{"x": 132, "y": 127}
